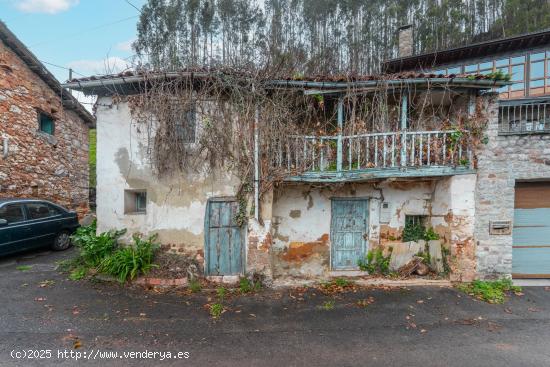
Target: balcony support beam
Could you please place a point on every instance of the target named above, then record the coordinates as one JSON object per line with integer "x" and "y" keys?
{"x": 340, "y": 130}
{"x": 404, "y": 123}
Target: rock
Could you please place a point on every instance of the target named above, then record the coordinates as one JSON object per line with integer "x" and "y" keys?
{"x": 87, "y": 220}
{"x": 422, "y": 269}
{"x": 436, "y": 256}
{"x": 403, "y": 253}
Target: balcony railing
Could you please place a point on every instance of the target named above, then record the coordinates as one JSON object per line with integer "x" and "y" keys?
{"x": 528, "y": 118}
{"x": 378, "y": 151}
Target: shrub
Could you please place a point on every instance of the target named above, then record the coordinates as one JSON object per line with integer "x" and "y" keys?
{"x": 127, "y": 262}
{"x": 376, "y": 262}
{"x": 94, "y": 248}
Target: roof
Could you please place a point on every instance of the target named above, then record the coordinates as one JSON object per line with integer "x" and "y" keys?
{"x": 475, "y": 50}
{"x": 131, "y": 82}
{"x": 39, "y": 69}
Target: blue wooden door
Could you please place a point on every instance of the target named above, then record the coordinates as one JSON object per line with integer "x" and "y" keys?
{"x": 224, "y": 239}
{"x": 531, "y": 232}
{"x": 348, "y": 232}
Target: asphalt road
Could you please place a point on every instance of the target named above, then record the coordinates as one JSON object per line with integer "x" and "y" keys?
{"x": 45, "y": 312}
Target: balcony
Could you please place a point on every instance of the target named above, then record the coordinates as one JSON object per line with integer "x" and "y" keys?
{"x": 364, "y": 157}
{"x": 524, "y": 117}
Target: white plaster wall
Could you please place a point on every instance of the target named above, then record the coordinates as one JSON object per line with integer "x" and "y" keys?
{"x": 175, "y": 205}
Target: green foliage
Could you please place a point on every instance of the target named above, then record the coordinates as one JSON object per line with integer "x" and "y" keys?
{"x": 78, "y": 273}
{"x": 425, "y": 256}
{"x": 195, "y": 286}
{"x": 24, "y": 267}
{"x": 489, "y": 291}
{"x": 499, "y": 75}
{"x": 221, "y": 292}
{"x": 342, "y": 282}
{"x": 376, "y": 262}
{"x": 247, "y": 286}
{"x": 128, "y": 262}
{"x": 413, "y": 232}
{"x": 430, "y": 235}
{"x": 216, "y": 310}
{"x": 94, "y": 248}
{"x": 327, "y": 305}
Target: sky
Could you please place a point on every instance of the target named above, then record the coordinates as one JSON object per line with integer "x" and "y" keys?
{"x": 91, "y": 36}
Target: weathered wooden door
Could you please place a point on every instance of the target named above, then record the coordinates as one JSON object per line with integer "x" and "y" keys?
{"x": 531, "y": 233}
{"x": 224, "y": 238}
{"x": 348, "y": 232}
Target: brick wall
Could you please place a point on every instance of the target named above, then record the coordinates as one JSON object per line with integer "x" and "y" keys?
{"x": 39, "y": 165}
{"x": 502, "y": 161}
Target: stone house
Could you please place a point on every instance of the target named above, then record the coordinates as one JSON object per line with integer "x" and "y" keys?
{"x": 513, "y": 190}
{"x": 43, "y": 131}
{"x": 341, "y": 193}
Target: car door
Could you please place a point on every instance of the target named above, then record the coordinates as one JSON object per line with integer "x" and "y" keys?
{"x": 15, "y": 234}
{"x": 44, "y": 223}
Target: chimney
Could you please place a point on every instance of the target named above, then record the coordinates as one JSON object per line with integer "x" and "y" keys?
{"x": 405, "y": 40}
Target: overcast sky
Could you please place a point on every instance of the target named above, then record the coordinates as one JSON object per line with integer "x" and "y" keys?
{"x": 90, "y": 36}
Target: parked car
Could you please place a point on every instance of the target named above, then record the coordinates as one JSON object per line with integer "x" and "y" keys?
{"x": 29, "y": 223}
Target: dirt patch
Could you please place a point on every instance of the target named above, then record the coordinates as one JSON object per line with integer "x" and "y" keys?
{"x": 171, "y": 266}
{"x": 298, "y": 251}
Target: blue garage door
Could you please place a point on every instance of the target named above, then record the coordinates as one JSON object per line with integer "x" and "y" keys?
{"x": 224, "y": 239}
{"x": 348, "y": 232}
{"x": 531, "y": 234}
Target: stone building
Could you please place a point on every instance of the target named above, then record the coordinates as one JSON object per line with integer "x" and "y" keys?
{"x": 342, "y": 194}
{"x": 512, "y": 226}
{"x": 43, "y": 131}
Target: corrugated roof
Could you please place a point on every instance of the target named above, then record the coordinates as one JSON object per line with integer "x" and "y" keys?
{"x": 69, "y": 102}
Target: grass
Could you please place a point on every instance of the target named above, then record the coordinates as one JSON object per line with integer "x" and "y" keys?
{"x": 327, "y": 305}
{"x": 216, "y": 310}
{"x": 221, "y": 292}
{"x": 247, "y": 286}
{"x": 24, "y": 267}
{"x": 78, "y": 273}
{"x": 489, "y": 291}
{"x": 195, "y": 286}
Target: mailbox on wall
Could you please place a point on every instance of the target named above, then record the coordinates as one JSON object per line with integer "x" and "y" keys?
{"x": 500, "y": 227}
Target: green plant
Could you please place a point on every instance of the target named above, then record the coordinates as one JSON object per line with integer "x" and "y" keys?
{"x": 216, "y": 310}
{"x": 78, "y": 273}
{"x": 24, "y": 267}
{"x": 445, "y": 255}
{"x": 94, "y": 248}
{"x": 341, "y": 282}
{"x": 489, "y": 291}
{"x": 195, "y": 286}
{"x": 413, "y": 232}
{"x": 327, "y": 305}
{"x": 127, "y": 262}
{"x": 463, "y": 162}
{"x": 430, "y": 235}
{"x": 425, "y": 256}
{"x": 221, "y": 292}
{"x": 375, "y": 262}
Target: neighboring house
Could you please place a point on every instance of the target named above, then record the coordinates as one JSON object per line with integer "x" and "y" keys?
{"x": 514, "y": 173}
{"x": 342, "y": 192}
{"x": 43, "y": 131}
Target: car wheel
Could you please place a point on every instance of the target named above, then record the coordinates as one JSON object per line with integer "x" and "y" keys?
{"x": 62, "y": 241}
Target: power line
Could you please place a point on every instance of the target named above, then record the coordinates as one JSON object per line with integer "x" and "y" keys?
{"x": 132, "y": 5}
{"x": 61, "y": 67}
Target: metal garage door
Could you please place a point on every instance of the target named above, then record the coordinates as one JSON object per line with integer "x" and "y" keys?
{"x": 531, "y": 235}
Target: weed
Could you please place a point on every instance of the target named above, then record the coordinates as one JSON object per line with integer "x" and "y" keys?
{"x": 246, "y": 285}
{"x": 127, "y": 262}
{"x": 327, "y": 305}
{"x": 430, "y": 235}
{"x": 94, "y": 248}
{"x": 78, "y": 273}
{"x": 221, "y": 292}
{"x": 195, "y": 286}
{"x": 24, "y": 267}
{"x": 489, "y": 291}
{"x": 216, "y": 310}
{"x": 375, "y": 262}
{"x": 341, "y": 282}
{"x": 364, "y": 303}
{"x": 413, "y": 232}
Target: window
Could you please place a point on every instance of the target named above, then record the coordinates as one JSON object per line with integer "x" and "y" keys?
{"x": 539, "y": 70}
{"x": 46, "y": 123}
{"x": 12, "y": 213}
{"x": 413, "y": 220}
{"x": 135, "y": 201}
{"x": 39, "y": 210}
{"x": 186, "y": 124}
{"x": 455, "y": 70}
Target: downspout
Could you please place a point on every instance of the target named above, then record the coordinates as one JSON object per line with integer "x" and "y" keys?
{"x": 256, "y": 164}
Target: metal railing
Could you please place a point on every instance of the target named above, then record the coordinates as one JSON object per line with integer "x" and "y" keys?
{"x": 377, "y": 150}
{"x": 524, "y": 118}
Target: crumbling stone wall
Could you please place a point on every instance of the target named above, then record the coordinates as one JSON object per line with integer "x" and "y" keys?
{"x": 53, "y": 167}
{"x": 501, "y": 162}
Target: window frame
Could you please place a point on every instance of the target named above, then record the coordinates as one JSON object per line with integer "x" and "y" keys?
{"x": 27, "y": 208}
{"x": 52, "y": 120}
{"x": 23, "y": 211}
{"x": 131, "y": 201}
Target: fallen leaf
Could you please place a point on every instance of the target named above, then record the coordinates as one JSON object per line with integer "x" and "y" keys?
{"x": 252, "y": 315}
{"x": 420, "y": 301}
{"x": 142, "y": 314}
{"x": 77, "y": 344}
{"x": 519, "y": 294}
{"x": 40, "y": 299}
{"x": 533, "y": 309}
{"x": 507, "y": 310}
{"x": 423, "y": 330}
